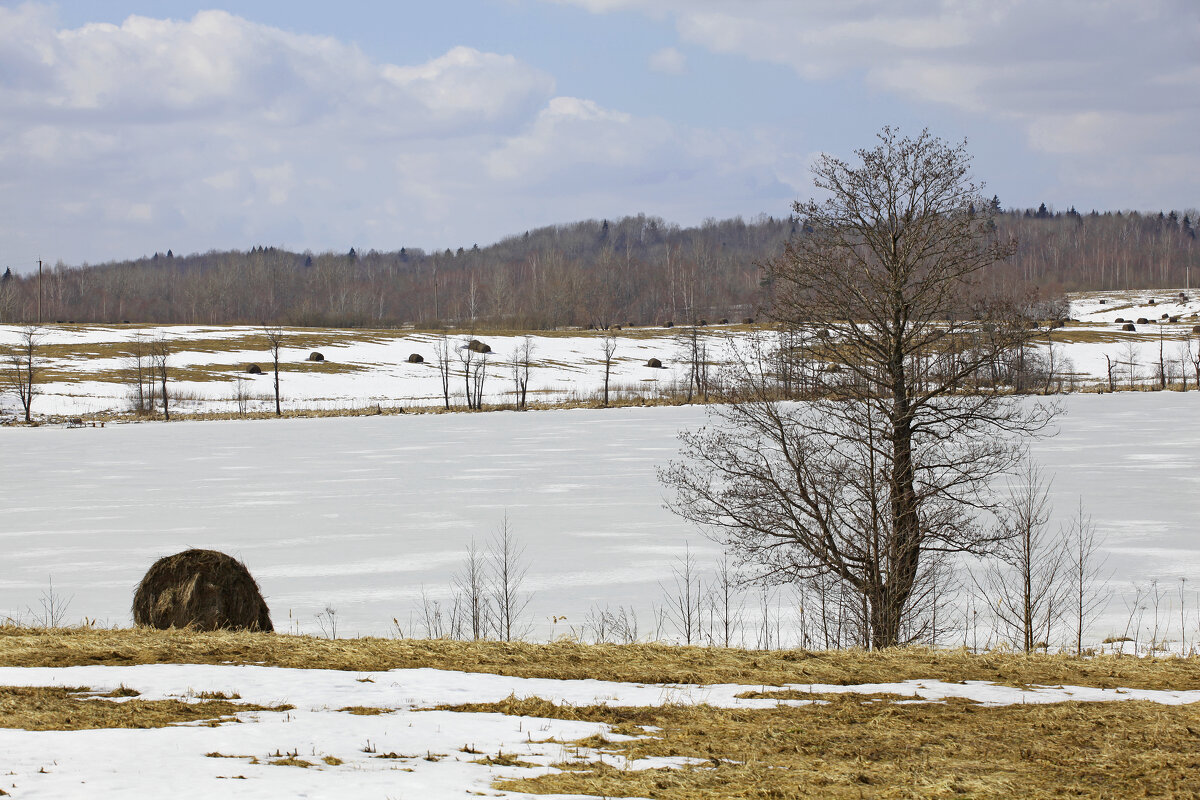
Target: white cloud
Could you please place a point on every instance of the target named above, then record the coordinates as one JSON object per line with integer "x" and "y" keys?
{"x": 218, "y": 132}
{"x": 1101, "y": 87}
{"x": 669, "y": 61}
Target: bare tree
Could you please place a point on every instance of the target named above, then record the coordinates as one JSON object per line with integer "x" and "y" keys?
{"x": 442, "y": 356}
{"x": 160, "y": 353}
{"x": 685, "y": 598}
{"x": 884, "y": 469}
{"x": 140, "y": 375}
{"x": 509, "y": 568}
{"x": 1129, "y": 352}
{"x": 274, "y": 336}
{"x": 609, "y": 349}
{"x": 24, "y": 366}
{"x": 471, "y": 584}
{"x": 1027, "y": 590}
{"x": 522, "y": 359}
{"x": 474, "y": 373}
{"x": 1086, "y": 572}
{"x": 1109, "y": 367}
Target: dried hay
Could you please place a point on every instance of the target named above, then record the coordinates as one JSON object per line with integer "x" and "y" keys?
{"x": 1128, "y": 326}
{"x": 477, "y": 346}
{"x": 416, "y": 358}
{"x": 315, "y": 356}
{"x": 201, "y": 589}
{"x": 254, "y": 369}
{"x": 654, "y": 363}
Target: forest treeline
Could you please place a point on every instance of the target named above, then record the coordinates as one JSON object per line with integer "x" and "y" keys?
{"x": 638, "y": 270}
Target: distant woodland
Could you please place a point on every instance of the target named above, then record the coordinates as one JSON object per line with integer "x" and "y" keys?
{"x": 638, "y": 270}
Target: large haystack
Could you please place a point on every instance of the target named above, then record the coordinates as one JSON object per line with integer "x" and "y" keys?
{"x": 315, "y": 356}
{"x": 416, "y": 358}
{"x": 201, "y": 589}
{"x": 478, "y": 346}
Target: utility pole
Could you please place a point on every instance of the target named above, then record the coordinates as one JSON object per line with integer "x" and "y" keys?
{"x": 39, "y": 291}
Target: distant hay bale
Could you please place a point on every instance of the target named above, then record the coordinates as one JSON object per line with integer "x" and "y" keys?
{"x": 704, "y": 322}
{"x": 614, "y": 327}
{"x": 1143, "y": 321}
{"x": 477, "y": 346}
{"x": 416, "y": 358}
{"x": 1196, "y": 329}
{"x": 1165, "y": 316}
{"x": 1055, "y": 323}
{"x": 668, "y": 324}
{"x": 254, "y": 369}
{"x": 1119, "y": 320}
{"x": 724, "y": 321}
{"x": 200, "y": 589}
{"x": 315, "y": 356}
{"x": 656, "y": 364}
{"x": 1102, "y": 302}
{"x": 1151, "y": 301}
{"x": 747, "y": 320}
{"x": 1128, "y": 326}
{"x": 1173, "y": 319}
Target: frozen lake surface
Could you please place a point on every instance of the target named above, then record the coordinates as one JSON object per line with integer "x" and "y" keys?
{"x": 363, "y": 513}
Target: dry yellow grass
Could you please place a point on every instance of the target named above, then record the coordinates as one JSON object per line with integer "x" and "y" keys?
{"x": 56, "y": 708}
{"x": 639, "y": 663}
{"x": 849, "y": 748}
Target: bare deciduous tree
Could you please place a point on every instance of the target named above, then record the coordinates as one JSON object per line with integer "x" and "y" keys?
{"x": 1086, "y": 573}
{"x": 884, "y": 469}
{"x": 274, "y": 336}
{"x": 442, "y": 357}
{"x": 608, "y": 349}
{"x": 522, "y": 360}
{"x": 471, "y": 585}
{"x": 1027, "y": 590}
{"x": 24, "y": 367}
{"x": 160, "y": 354}
{"x": 509, "y": 600}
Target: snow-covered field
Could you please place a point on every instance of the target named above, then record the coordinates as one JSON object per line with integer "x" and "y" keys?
{"x": 408, "y": 752}
{"x": 365, "y": 368}
{"x": 364, "y": 514}
{"x": 361, "y": 368}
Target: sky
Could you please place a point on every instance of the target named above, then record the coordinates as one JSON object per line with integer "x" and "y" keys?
{"x": 128, "y": 127}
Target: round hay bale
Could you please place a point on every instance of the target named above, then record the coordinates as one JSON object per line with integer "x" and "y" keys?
{"x": 1143, "y": 321}
{"x": 747, "y": 320}
{"x": 1119, "y": 320}
{"x": 254, "y": 369}
{"x": 1174, "y": 319}
{"x": 315, "y": 356}
{"x": 1102, "y": 302}
{"x": 1128, "y": 326}
{"x": 656, "y": 364}
{"x": 416, "y": 358}
{"x": 704, "y": 323}
{"x": 724, "y": 320}
{"x": 1165, "y": 316}
{"x": 1055, "y": 323}
{"x": 1151, "y": 301}
{"x": 201, "y": 589}
{"x": 478, "y": 346}
{"x": 668, "y": 324}
{"x": 1196, "y": 329}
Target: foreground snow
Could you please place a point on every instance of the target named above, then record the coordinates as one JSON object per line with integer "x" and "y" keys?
{"x": 430, "y": 747}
